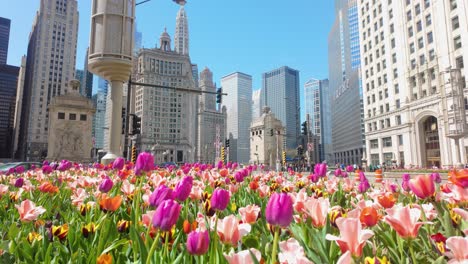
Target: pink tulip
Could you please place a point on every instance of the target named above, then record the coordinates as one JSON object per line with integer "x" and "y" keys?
{"x": 458, "y": 249}
{"x": 352, "y": 237}
{"x": 345, "y": 258}
{"x": 317, "y": 210}
{"x": 229, "y": 230}
{"x": 198, "y": 242}
{"x": 3, "y": 189}
{"x": 422, "y": 186}
{"x": 249, "y": 213}
{"x": 404, "y": 220}
{"x": 29, "y": 211}
{"x": 243, "y": 257}
{"x": 292, "y": 252}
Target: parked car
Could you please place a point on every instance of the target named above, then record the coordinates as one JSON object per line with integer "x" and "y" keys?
{"x": 27, "y": 165}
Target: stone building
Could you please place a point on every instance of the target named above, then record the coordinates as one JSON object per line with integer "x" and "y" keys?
{"x": 70, "y": 123}
{"x": 266, "y": 139}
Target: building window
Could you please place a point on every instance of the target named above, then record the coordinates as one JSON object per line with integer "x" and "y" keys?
{"x": 453, "y": 4}
{"x": 430, "y": 38}
{"x": 387, "y": 107}
{"x": 428, "y": 20}
{"x": 427, "y": 3}
{"x": 431, "y": 55}
{"x": 459, "y": 62}
{"x": 398, "y": 120}
{"x": 397, "y": 103}
{"x": 387, "y": 142}
{"x": 400, "y": 140}
{"x": 457, "y": 42}
{"x": 410, "y": 32}
{"x": 419, "y": 26}
{"x": 72, "y": 116}
{"x": 375, "y": 159}
{"x": 61, "y": 115}
{"x": 397, "y": 89}
{"x": 455, "y": 23}
{"x": 83, "y": 117}
{"x": 408, "y": 15}
{"x": 388, "y": 157}
{"x": 420, "y": 43}
{"x": 417, "y": 9}
{"x": 411, "y": 46}
{"x": 374, "y": 144}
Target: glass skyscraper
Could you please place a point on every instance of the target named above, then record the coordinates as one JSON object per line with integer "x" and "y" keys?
{"x": 280, "y": 91}
{"x": 238, "y": 103}
{"x": 317, "y": 105}
{"x": 4, "y": 39}
{"x": 345, "y": 84}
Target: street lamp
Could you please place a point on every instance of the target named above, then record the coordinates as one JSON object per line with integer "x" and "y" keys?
{"x": 110, "y": 56}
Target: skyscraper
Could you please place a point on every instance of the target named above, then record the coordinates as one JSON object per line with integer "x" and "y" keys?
{"x": 86, "y": 88}
{"x": 49, "y": 68}
{"x": 345, "y": 85}
{"x": 210, "y": 118}
{"x": 280, "y": 92}
{"x": 181, "y": 38}
{"x": 168, "y": 116}
{"x": 414, "y": 56}
{"x": 238, "y": 103}
{"x": 256, "y": 111}
{"x": 4, "y": 39}
{"x": 8, "y": 83}
{"x": 317, "y": 105}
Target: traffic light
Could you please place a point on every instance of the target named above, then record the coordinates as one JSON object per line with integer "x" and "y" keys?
{"x": 219, "y": 95}
{"x": 304, "y": 128}
{"x": 271, "y": 132}
{"x": 227, "y": 143}
{"x": 284, "y": 157}
{"x": 123, "y": 119}
{"x": 222, "y": 154}
{"x": 136, "y": 125}
{"x": 134, "y": 154}
{"x": 300, "y": 150}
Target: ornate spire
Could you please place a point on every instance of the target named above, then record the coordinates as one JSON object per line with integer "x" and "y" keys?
{"x": 181, "y": 38}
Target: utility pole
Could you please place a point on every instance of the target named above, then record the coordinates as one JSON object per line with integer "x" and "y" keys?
{"x": 309, "y": 156}
{"x": 217, "y": 143}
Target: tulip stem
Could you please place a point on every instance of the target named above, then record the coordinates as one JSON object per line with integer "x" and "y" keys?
{"x": 413, "y": 259}
{"x": 166, "y": 244}
{"x": 153, "y": 247}
{"x": 275, "y": 245}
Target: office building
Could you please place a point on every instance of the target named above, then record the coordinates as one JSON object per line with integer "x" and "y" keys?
{"x": 345, "y": 85}
{"x": 181, "y": 37}
{"x": 280, "y": 92}
{"x": 18, "y": 106}
{"x": 414, "y": 78}
{"x": 238, "y": 103}
{"x": 8, "y": 84}
{"x": 4, "y": 39}
{"x": 49, "y": 68}
{"x": 211, "y": 120}
{"x": 317, "y": 106}
{"x": 256, "y": 104}
{"x": 86, "y": 88}
{"x": 168, "y": 126}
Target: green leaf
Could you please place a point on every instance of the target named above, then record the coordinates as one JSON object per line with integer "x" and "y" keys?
{"x": 114, "y": 245}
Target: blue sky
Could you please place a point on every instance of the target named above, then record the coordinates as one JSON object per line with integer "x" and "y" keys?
{"x": 250, "y": 36}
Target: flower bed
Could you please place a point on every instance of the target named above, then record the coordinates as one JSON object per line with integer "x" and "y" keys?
{"x": 224, "y": 214}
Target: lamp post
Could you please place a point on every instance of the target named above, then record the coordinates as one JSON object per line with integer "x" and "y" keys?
{"x": 110, "y": 56}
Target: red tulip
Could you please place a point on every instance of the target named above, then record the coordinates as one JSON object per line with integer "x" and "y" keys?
{"x": 369, "y": 216}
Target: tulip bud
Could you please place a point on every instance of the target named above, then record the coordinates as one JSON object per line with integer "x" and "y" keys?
{"x": 106, "y": 185}
{"x": 145, "y": 162}
{"x": 118, "y": 163}
{"x": 166, "y": 215}
{"x": 198, "y": 242}
{"x": 19, "y": 169}
{"x": 183, "y": 189}
{"x": 220, "y": 199}
{"x": 123, "y": 226}
{"x": 19, "y": 182}
{"x": 369, "y": 216}
{"x": 279, "y": 210}
{"x": 159, "y": 195}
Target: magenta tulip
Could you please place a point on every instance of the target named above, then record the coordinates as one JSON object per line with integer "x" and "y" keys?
{"x": 166, "y": 215}
{"x": 145, "y": 162}
{"x": 106, "y": 185}
{"x": 183, "y": 189}
{"x": 64, "y": 165}
{"x": 198, "y": 242}
{"x": 19, "y": 182}
{"x": 159, "y": 195}
{"x": 320, "y": 169}
{"x": 338, "y": 172}
{"x": 220, "y": 199}
{"x": 118, "y": 163}
{"x": 19, "y": 169}
{"x": 349, "y": 168}
{"x": 436, "y": 177}
{"x": 405, "y": 182}
{"x": 46, "y": 169}
{"x": 279, "y": 210}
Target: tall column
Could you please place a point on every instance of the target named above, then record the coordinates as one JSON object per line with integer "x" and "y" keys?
{"x": 115, "y": 122}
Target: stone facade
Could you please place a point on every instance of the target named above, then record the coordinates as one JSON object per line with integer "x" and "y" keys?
{"x": 70, "y": 123}
{"x": 266, "y": 139}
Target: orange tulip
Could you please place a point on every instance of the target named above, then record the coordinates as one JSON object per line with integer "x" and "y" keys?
{"x": 459, "y": 178}
{"x": 223, "y": 172}
{"x": 104, "y": 259}
{"x": 386, "y": 200}
{"x": 47, "y": 187}
{"x": 110, "y": 203}
{"x": 369, "y": 216}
